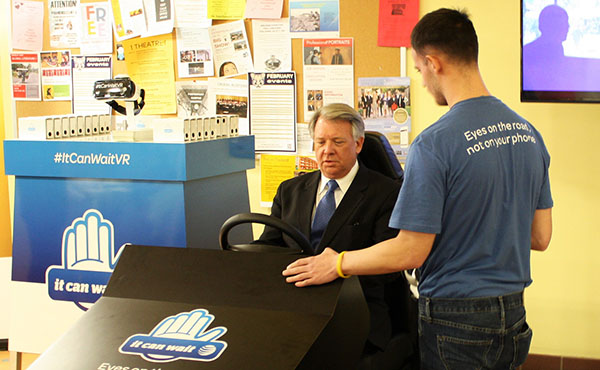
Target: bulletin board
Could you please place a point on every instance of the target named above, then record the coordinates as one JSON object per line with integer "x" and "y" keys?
{"x": 358, "y": 20}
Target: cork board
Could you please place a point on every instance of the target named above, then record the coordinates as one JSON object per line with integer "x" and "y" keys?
{"x": 358, "y": 19}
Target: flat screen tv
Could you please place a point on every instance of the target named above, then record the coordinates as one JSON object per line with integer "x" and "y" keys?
{"x": 560, "y": 51}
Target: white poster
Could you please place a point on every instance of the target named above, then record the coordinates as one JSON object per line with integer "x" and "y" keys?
{"x": 194, "y": 54}
{"x": 272, "y": 45}
{"x": 328, "y": 73}
{"x": 263, "y": 9}
{"x": 191, "y": 13}
{"x": 273, "y": 111}
{"x": 304, "y": 141}
{"x": 27, "y": 25}
{"x": 88, "y": 69}
{"x": 96, "y": 29}
{"x": 64, "y": 23}
{"x": 229, "y": 96}
{"x": 231, "y": 50}
{"x": 160, "y": 17}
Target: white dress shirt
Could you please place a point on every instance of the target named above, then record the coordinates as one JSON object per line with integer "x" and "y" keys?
{"x": 343, "y": 185}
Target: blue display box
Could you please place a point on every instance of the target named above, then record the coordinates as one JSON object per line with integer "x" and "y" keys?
{"x": 78, "y": 203}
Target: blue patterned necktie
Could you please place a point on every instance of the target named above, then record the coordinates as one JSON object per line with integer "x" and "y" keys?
{"x": 323, "y": 213}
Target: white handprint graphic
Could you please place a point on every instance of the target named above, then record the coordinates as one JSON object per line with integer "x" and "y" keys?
{"x": 182, "y": 336}
{"x": 88, "y": 243}
{"x": 88, "y": 259}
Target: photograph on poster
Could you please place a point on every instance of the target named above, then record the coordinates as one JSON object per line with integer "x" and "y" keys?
{"x": 328, "y": 55}
{"x": 55, "y": 59}
{"x": 25, "y": 68}
{"x": 314, "y": 19}
{"x": 315, "y": 99}
{"x": 385, "y": 105}
{"x": 232, "y": 105}
{"x": 191, "y": 98}
{"x": 305, "y": 20}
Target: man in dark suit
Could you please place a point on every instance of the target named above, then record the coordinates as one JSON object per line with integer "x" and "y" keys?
{"x": 369, "y": 104}
{"x": 337, "y": 57}
{"x": 364, "y": 201}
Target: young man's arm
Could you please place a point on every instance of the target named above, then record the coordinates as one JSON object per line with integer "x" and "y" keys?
{"x": 541, "y": 229}
{"x": 407, "y": 250}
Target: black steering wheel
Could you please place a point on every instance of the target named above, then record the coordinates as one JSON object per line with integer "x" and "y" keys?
{"x": 244, "y": 218}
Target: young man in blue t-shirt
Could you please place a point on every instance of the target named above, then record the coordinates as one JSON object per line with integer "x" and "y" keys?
{"x": 475, "y": 200}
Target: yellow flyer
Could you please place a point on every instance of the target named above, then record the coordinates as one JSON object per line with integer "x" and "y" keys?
{"x": 226, "y": 9}
{"x": 274, "y": 169}
{"x": 150, "y": 65}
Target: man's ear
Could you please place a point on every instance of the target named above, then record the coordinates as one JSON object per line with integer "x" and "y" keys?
{"x": 434, "y": 62}
{"x": 359, "y": 144}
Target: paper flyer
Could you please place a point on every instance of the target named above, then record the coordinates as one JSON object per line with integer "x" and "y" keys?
{"x": 88, "y": 69}
{"x": 396, "y": 21}
{"x": 273, "y": 111}
{"x": 303, "y": 139}
{"x": 150, "y": 65}
{"x": 129, "y": 19}
{"x": 263, "y": 9}
{"x": 27, "y": 25}
{"x": 194, "y": 53}
{"x": 96, "y": 29}
{"x": 274, "y": 169}
{"x": 160, "y": 17}
{"x": 191, "y": 13}
{"x": 230, "y": 9}
{"x": 229, "y": 96}
{"x": 272, "y": 45}
{"x": 56, "y": 75}
{"x": 191, "y": 98}
{"x": 231, "y": 51}
{"x": 64, "y": 23}
{"x": 385, "y": 105}
{"x": 25, "y": 68}
{"x": 314, "y": 19}
{"x": 328, "y": 73}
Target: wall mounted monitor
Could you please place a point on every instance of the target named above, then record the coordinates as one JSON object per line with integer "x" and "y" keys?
{"x": 560, "y": 51}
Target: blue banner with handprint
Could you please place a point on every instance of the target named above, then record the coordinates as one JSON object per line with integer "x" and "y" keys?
{"x": 88, "y": 259}
{"x": 182, "y": 336}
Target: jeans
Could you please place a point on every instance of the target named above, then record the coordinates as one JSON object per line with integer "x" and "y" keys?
{"x": 473, "y": 333}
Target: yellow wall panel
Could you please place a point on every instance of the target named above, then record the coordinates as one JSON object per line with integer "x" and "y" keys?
{"x": 5, "y": 125}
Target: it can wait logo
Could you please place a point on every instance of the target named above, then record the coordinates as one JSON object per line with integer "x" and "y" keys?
{"x": 182, "y": 336}
{"x": 88, "y": 259}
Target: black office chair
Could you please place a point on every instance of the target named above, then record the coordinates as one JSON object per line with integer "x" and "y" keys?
{"x": 377, "y": 154}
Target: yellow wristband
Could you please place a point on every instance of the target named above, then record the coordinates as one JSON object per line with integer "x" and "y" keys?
{"x": 338, "y": 266}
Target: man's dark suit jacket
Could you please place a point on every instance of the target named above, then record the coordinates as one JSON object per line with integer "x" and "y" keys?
{"x": 360, "y": 220}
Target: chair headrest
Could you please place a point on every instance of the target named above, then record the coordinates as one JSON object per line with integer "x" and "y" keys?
{"x": 377, "y": 154}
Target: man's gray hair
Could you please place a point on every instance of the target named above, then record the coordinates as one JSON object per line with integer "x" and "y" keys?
{"x": 338, "y": 111}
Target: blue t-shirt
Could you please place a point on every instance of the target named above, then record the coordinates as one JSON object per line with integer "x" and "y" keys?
{"x": 475, "y": 178}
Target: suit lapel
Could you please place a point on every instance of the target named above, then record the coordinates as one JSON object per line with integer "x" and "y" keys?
{"x": 306, "y": 201}
{"x": 352, "y": 199}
